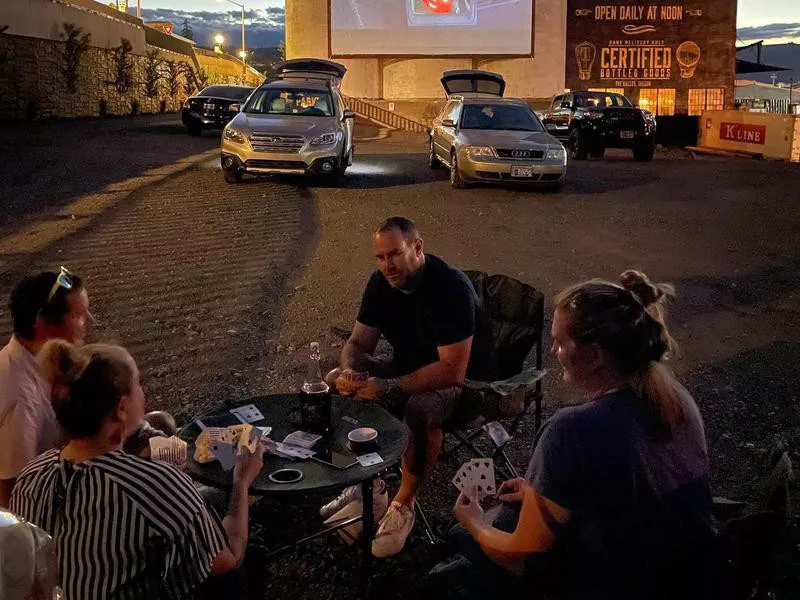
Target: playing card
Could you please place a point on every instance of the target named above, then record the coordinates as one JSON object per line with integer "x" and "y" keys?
{"x": 302, "y": 439}
{"x": 350, "y": 420}
{"x": 367, "y": 460}
{"x": 172, "y": 450}
{"x": 248, "y": 438}
{"x": 498, "y": 433}
{"x": 225, "y": 454}
{"x": 483, "y": 477}
{"x": 249, "y": 413}
{"x": 265, "y": 431}
{"x": 294, "y": 451}
{"x": 460, "y": 481}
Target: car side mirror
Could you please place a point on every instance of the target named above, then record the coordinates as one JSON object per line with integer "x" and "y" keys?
{"x": 234, "y": 108}
{"x": 348, "y": 114}
{"x": 550, "y": 127}
{"x": 448, "y": 123}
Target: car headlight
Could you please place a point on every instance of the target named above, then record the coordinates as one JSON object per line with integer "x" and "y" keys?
{"x": 473, "y": 151}
{"x": 327, "y": 138}
{"x": 556, "y": 153}
{"x": 233, "y": 135}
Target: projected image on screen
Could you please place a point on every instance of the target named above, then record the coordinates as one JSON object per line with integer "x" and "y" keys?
{"x": 431, "y": 27}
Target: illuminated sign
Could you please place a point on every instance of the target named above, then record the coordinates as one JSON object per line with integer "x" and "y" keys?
{"x": 620, "y": 44}
{"x": 743, "y": 132}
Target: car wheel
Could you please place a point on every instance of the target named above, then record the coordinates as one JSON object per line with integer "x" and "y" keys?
{"x": 233, "y": 175}
{"x": 644, "y": 151}
{"x": 433, "y": 162}
{"x": 578, "y": 149}
{"x": 598, "y": 151}
{"x": 455, "y": 175}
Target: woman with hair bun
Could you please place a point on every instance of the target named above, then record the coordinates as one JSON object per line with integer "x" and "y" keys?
{"x": 615, "y": 503}
{"x": 124, "y": 526}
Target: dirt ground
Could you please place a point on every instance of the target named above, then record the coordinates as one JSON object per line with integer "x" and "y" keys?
{"x": 218, "y": 289}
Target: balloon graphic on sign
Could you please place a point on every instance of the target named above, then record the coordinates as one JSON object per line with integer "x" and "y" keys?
{"x": 688, "y": 56}
{"x": 584, "y": 55}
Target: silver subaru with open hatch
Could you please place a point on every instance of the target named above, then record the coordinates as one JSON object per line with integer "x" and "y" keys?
{"x": 296, "y": 122}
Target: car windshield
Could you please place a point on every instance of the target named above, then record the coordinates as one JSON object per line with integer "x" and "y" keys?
{"x": 226, "y": 91}
{"x": 506, "y": 117}
{"x": 600, "y": 100}
{"x": 311, "y": 103}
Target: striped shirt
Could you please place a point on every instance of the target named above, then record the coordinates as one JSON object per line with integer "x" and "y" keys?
{"x": 124, "y": 527}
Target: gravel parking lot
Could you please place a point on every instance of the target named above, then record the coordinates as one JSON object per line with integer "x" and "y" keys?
{"x": 218, "y": 289}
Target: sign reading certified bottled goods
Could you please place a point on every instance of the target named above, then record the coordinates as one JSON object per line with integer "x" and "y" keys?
{"x": 619, "y": 44}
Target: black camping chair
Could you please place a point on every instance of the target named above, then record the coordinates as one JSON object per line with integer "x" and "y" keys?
{"x": 515, "y": 312}
{"x": 748, "y": 541}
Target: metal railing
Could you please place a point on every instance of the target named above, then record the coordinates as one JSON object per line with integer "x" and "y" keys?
{"x": 384, "y": 117}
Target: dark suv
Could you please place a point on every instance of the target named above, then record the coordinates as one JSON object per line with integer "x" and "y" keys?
{"x": 590, "y": 122}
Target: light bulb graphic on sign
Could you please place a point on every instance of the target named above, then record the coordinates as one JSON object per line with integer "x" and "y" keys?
{"x": 585, "y": 53}
{"x": 688, "y": 56}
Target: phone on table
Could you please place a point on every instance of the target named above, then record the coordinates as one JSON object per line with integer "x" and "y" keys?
{"x": 335, "y": 456}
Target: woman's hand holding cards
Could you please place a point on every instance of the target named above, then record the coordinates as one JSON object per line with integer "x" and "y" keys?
{"x": 468, "y": 509}
{"x": 248, "y": 465}
{"x": 513, "y": 490}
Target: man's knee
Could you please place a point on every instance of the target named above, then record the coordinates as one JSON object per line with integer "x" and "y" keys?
{"x": 421, "y": 411}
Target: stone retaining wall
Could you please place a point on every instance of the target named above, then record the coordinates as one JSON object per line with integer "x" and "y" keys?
{"x": 33, "y": 85}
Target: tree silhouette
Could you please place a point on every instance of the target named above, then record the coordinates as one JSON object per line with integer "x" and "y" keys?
{"x": 186, "y": 31}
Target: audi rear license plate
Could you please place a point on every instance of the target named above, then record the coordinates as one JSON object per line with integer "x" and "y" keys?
{"x": 626, "y": 135}
{"x": 522, "y": 171}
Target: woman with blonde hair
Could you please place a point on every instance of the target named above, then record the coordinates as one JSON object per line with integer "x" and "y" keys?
{"x": 124, "y": 526}
{"x": 615, "y": 503}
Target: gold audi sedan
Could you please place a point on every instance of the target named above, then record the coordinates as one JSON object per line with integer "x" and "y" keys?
{"x": 483, "y": 137}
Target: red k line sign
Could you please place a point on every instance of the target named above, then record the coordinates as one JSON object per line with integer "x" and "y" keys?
{"x": 741, "y": 132}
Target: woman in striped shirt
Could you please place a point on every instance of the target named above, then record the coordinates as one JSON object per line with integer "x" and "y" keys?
{"x": 124, "y": 527}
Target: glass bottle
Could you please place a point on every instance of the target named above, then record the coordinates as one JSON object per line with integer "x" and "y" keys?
{"x": 316, "y": 405}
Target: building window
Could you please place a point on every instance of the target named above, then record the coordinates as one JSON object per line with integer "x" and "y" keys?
{"x": 659, "y": 101}
{"x": 701, "y": 99}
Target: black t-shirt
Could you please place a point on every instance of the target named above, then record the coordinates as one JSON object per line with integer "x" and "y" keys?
{"x": 444, "y": 309}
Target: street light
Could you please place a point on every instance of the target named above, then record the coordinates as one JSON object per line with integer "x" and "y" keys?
{"x": 243, "y": 53}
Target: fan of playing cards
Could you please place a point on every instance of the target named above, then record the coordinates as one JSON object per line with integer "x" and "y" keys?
{"x": 222, "y": 443}
{"x": 477, "y": 473}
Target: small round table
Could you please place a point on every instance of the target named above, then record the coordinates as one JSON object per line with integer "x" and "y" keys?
{"x": 282, "y": 413}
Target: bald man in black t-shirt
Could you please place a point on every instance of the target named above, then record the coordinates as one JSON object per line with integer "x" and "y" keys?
{"x": 432, "y": 317}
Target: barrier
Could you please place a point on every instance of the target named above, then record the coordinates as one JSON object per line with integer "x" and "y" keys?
{"x": 763, "y": 134}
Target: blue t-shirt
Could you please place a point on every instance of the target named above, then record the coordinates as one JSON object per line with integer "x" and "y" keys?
{"x": 639, "y": 496}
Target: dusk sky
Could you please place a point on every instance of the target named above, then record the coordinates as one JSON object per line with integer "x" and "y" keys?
{"x": 773, "y": 20}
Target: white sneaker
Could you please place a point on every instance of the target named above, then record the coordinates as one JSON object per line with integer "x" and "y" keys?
{"x": 351, "y": 533}
{"x": 393, "y": 530}
{"x": 350, "y": 494}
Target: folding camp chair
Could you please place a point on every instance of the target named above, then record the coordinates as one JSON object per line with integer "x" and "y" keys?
{"x": 515, "y": 312}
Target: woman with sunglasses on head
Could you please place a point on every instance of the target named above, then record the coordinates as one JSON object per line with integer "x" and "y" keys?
{"x": 124, "y": 527}
{"x": 43, "y": 307}
{"x": 615, "y": 503}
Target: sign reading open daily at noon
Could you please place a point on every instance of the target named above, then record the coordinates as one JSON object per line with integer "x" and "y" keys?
{"x": 616, "y": 43}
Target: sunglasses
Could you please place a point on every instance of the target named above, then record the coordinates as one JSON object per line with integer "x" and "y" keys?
{"x": 64, "y": 280}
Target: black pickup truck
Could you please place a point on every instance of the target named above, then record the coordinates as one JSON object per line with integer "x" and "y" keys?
{"x": 590, "y": 122}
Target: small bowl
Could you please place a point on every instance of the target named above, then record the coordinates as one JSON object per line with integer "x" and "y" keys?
{"x": 362, "y": 435}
